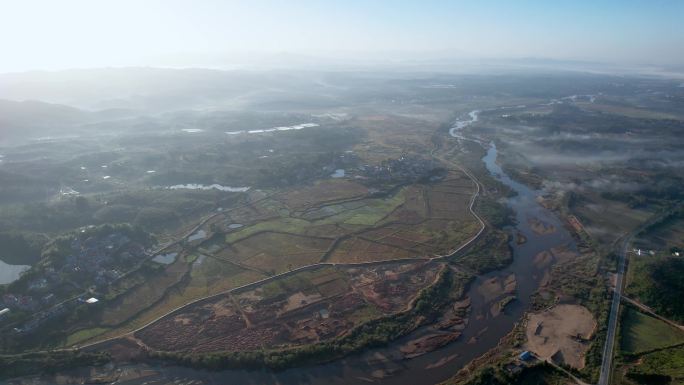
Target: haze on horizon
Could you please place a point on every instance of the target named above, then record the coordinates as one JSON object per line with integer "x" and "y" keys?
{"x": 51, "y": 35}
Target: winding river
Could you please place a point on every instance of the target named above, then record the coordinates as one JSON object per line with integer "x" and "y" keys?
{"x": 386, "y": 365}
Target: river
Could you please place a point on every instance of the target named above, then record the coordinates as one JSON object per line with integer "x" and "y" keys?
{"x": 483, "y": 332}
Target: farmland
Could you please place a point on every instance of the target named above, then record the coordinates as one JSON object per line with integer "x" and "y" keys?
{"x": 651, "y": 350}
{"x": 641, "y": 333}
{"x": 277, "y": 249}
{"x": 304, "y": 308}
{"x": 419, "y": 209}
{"x": 344, "y": 223}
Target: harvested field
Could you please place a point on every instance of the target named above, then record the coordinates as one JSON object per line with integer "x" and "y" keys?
{"x": 277, "y": 252}
{"x": 359, "y": 230}
{"x": 213, "y": 275}
{"x": 142, "y": 296}
{"x": 249, "y": 214}
{"x": 416, "y": 201}
{"x": 335, "y": 221}
{"x": 560, "y": 334}
{"x": 357, "y": 249}
{"x": 322, "y": 192}
{"x": 450, "y": 198}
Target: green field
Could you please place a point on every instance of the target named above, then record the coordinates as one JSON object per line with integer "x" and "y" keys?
{"x": 642, "y": 333}
{"x": 367, "y": 214}
{"x": 658, "y": 282}
{"x": 668, "y": 362}
{"x": 83, "y": 335}
{"x": 290, "y": 225}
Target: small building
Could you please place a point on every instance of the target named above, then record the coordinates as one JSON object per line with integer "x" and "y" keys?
{"x": 92, "y": 300}
{"x": 324, "y": 313}
{"x": 525, "y": 356}
{"x": 48, "y": 299}
{"x": 4, "y": 312}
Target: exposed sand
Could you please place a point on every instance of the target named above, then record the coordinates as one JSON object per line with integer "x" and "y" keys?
{"x": 562, "y": 253}
{"x": 557, "y": 333}
{"x": 299, "y": 299}
{"x": 520, "y": 238}
{"x": 426, "y": 344}
{"x": 442, "y": 361}
{"x": 557, "y": 254}
{"x": 541, "y": 228}
{"x": 496, "y": 287}
{"x": 543, "y": 259}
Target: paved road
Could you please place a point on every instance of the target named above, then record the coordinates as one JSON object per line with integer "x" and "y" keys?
{"x": 607, "y": 364}
{"x": 623, "y": 245}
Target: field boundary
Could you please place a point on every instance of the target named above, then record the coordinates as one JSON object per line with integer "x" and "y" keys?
{"x": 315, "y": 266}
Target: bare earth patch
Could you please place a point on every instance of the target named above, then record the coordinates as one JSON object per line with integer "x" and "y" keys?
{"x": 560, "y": 334}
{"x": 540, "y": 227}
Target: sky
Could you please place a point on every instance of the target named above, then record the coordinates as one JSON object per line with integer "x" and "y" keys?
{"x": 58, "y": 34}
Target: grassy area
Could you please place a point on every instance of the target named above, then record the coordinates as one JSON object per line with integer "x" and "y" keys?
{"x": 83, "y": 335}
{"x": 661, "y": 367}
{"x": 659, "y": 283}
{"x": 364, "y": 314}
{"x": 489, "y": 252}
{"x": 290, "y": 225}
{"x": 375, "y": 211}
{"x": 210, "y": 277}
{"x": 641, "y": 333}
{"x": 368, "y": 214}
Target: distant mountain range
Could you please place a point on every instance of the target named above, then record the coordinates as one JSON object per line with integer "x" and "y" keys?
{"x": 153, "y": 90}
{"x": 35, "y": 119}
{"x": 148, "y": 89}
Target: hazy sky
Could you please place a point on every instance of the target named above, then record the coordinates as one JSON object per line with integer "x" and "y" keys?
{"x": 51, "y": 34}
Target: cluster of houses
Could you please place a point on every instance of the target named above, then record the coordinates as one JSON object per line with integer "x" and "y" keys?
{"x": 95, "y": 254}
{"x": 96, "y": 260}
{"x": 27, "y": 303}
{"x": 403, "y": 169}
{"x": 41, "y": 317}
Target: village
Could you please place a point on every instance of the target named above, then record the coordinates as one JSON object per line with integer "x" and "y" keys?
{"x": 78, "y": 268}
